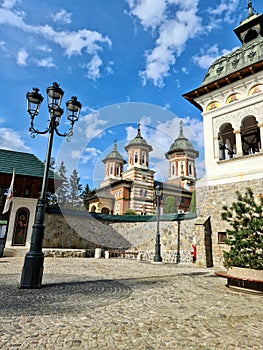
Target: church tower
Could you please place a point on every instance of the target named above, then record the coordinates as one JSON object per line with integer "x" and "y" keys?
{"x": 181, "y": 156}
{"x": 142, "y": 191}
{"x": 231, "y": 101}
{"x": 113, "y": 166}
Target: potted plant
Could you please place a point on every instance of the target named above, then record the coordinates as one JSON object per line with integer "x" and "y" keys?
{"x": 244, "y": 259}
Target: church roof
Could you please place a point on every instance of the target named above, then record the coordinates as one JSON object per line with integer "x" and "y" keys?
{"x": 244, "y": 61}
{"x": 250, "y": 33}
{"x": 181, "y": 144}
{"x": 249, "y": 53}
{"x": 114, "y": 155}
{"x": 138, "y": 141}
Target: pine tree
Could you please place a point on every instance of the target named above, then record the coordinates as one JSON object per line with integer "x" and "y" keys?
{"x": 86, "y": 194}
{"x": 62, "y": 191}
{"x": 245, "y": 237}
{"x": 75, "y": 189}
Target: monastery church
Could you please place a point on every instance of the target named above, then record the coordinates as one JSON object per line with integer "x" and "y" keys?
{"x": 134, "y": 188}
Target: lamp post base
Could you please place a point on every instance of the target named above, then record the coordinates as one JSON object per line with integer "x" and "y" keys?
{"x": 32, "y": 272}
{"x": 157, "y": 258}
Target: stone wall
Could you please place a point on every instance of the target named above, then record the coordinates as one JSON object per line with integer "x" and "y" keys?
{"x": 82, "y": 231}
{"x": 210, "y": 200}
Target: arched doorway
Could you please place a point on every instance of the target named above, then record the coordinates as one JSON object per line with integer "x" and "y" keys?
{"x": 105, "y": 210}
{"x": 21, "y": 227}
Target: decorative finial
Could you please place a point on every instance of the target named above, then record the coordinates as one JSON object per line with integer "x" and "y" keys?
{"x": 251, "y": 10}
{"x": 115, "y": 145}
{"x": 181, "y": 128}
{"x": 139, "y": 130}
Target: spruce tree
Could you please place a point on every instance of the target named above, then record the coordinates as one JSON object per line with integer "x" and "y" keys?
{"x": 62, "y": 191}
{"x": 75, "y": 188}
{"x": 86, "y": 194}
{"x": 245, "y": 237}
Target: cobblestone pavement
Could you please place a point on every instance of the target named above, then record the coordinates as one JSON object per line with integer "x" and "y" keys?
{"x": 125, "y": 304}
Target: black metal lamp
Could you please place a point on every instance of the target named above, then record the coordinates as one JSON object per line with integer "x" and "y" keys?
{"x": 34, "y": 260}
{"x": 158, "y": 198}
{"x": 34, "y": 100}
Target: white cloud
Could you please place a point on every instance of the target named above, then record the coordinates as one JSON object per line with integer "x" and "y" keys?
{"x": 63, "y": 17}
{"x": 175, "y": 21}
{"x": 10, "y": 3}
{"x": 22, "y": 57}
{"x": 206, "y": 58}
{"x": 44, "y": 48}
{"x": 90, "y": 154}
{"x": 149, "y": 12}
{"x": 92, "y": 125}
{"x": 46, "y": 62}
{"x": 72, "y": 42}
{"x": 10, "y": 139}
{"x": 93, "y": 68}
{"x": 223, "y": 12}
{"x": 2, "y": 45}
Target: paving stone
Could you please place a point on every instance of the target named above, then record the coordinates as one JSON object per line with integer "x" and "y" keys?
{"x": 125, "y": 304}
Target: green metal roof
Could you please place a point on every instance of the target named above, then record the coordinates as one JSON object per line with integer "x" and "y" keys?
{"x": 114, "y": 155}
{"x": 125, "y": 218}
{"x": 248, "y": 54}
{"x": 138, "y": 141}
{"x": 25, "y": 164}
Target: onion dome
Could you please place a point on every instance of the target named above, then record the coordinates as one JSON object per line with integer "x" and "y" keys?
{"x": 114, "y": 155}
{"x": 138, "y": 141}
{"x": 182, "y": 144}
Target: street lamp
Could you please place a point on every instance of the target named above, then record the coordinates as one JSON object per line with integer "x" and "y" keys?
{"x": 34, "y": 260}
{"x": 158, "y": 197}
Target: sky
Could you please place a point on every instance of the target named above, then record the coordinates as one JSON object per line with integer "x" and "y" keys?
{"x": 127, "y": 61}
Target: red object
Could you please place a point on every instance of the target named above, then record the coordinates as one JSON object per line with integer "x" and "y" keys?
{"x": 194, "y": 252}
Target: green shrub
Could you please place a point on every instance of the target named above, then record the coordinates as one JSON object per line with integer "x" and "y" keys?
{"x": 245, "y": 237}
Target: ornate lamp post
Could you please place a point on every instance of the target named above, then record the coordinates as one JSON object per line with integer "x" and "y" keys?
{"x": 34, "y": 260}
{"x": 158, "y": 197}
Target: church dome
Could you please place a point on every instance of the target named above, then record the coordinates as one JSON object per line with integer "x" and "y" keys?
{"x": 181, "y": 143}
{"x": 138, "y": 141}
{"x": 114, "y": 155}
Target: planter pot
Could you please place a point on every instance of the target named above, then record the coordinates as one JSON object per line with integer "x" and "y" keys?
{"x": 243, "y": 279}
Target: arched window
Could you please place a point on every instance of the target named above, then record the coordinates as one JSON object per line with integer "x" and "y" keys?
{"x": 173, "y": 169}
{"x": 111, "y": 169}
{"x": 227, "y": 141}
{"x": 250, "y": 136}
{"x": 190, "y": 168}
{"x": 136, "y": 157}
{"x": 21, "y": 226}
{"x": 143, "y": 158}
{"x": 117, "y": 170}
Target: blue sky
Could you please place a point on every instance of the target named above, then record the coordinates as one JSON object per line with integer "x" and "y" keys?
{"x": 127, "y": 61}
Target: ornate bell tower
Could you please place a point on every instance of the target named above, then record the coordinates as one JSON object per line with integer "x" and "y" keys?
{"x": 181, "y": 156}
{"x": 230, "y": 99}
{"x": 113, "y": 166}
{"x": 142, "y": 191}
